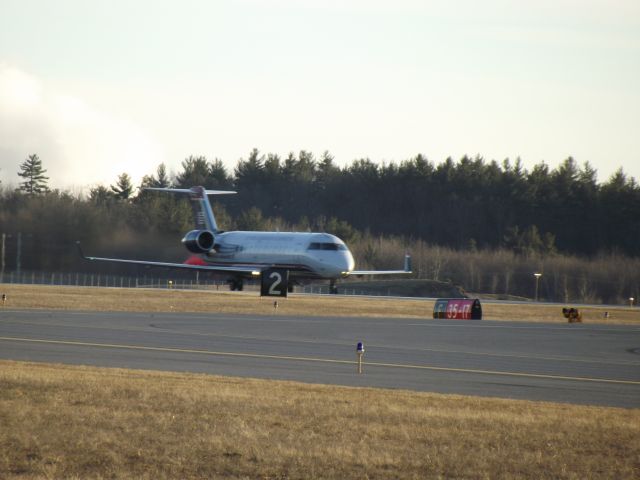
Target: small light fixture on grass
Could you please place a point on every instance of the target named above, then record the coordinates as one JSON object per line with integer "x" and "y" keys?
{"x": 537, "y": 275}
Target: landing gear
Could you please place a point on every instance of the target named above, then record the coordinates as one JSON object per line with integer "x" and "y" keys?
{"x": 333, "y": 288}
{"x": 235, "y": 284}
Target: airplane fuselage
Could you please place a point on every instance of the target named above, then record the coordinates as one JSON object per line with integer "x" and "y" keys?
{"x": 318, "y": 255}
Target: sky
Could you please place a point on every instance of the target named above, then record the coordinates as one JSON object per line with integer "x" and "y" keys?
{"x": 97, "y": 88}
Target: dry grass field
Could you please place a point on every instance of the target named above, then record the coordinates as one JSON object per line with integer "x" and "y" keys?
{"x": 80, "y": 422}
{"x": 161, "y": 300}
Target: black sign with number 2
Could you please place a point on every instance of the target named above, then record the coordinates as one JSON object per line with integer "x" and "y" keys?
{"x": 275, "y": 283}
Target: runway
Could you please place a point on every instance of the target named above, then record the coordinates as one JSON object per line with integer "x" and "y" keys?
{"x": 574, "y": 363}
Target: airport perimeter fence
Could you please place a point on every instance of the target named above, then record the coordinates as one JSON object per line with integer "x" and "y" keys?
{"x": 148, "y": 281}
{"x": 103, "y": 280}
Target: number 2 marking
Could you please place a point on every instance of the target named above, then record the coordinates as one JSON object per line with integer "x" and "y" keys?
{"x": 273, "y": 288}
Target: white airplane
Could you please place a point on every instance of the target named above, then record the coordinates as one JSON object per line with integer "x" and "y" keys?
{"x": 274, "y": 256}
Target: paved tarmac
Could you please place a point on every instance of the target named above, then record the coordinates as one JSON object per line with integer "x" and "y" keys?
{"x": 573, "y": 363}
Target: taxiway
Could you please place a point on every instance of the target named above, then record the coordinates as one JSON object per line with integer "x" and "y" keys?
{"x": 575, "y": 363}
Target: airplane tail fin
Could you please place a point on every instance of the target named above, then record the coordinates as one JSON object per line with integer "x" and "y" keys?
{"x": 202, "y": 212}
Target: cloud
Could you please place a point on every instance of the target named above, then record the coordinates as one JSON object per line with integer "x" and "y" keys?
{"x": 79, "y": 145}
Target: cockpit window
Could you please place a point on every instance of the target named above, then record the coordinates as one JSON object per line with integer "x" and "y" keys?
{"x": 326, "y": 246}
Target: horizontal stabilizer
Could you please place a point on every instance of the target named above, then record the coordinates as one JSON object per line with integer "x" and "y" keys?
{"x": 189, "y": 190}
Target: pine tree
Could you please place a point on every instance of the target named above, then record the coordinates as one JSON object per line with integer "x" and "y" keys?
{"x": 218, "y": 176}
{"x": 35, "y": 180}
{"x": 123, "y": 189}
{"x": 195, "y": 171}
{"x": 162, "y": 177}
{"x": 161, "y": 180}
{"x": 101, "y": 195}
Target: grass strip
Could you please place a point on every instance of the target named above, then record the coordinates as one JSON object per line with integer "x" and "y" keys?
{"x": 83, "y": 422}
{"x": 162, "y": 300}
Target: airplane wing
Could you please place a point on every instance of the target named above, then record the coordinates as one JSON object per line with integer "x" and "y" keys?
{"x": 379, "y": 272}
{"x": 407, "y": 269}
{"x": 246, "y": 269}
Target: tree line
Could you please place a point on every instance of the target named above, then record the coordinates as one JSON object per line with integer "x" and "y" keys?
{"x": 465, "y": 204}
{"x": 471, "y": 206}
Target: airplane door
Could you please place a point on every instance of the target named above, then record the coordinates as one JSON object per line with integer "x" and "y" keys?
{"x": 274, "y": 283}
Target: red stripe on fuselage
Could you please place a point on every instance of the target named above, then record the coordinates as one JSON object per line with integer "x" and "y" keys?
{"x": 195, "y": 260}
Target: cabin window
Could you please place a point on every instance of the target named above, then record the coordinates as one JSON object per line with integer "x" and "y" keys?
{"x": 326, "y": 246}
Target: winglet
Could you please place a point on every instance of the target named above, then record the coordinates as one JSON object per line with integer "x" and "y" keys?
{"x": 407, "y": 262}
{"x": 80, "y": 250}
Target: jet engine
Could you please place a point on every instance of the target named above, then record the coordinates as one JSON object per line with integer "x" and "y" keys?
{"x": 199, "y": 241}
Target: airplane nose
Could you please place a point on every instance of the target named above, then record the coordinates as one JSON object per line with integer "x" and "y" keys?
{"x": 348, "y": 263}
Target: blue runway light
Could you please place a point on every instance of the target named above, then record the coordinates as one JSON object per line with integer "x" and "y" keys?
{"x": 360, "y": 354}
